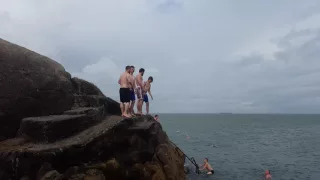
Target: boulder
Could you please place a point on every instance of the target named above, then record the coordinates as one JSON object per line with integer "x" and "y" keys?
{"x": 53, "y": 126}
{"x": 34, "y": 85}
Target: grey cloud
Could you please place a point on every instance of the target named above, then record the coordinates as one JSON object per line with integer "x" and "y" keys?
{"x": 185, "y": 45}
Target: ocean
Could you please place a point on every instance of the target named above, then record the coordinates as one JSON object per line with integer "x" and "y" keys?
{"x": 242, "y": 147}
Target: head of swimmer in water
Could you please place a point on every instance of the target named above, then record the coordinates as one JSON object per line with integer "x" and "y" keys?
{"x": 267, "y": 172}
{"x": 132, "y": 69}
{"x": 150, "y": 79}
{"x": 206, "y": 160}
{"x": 141, "y": 71}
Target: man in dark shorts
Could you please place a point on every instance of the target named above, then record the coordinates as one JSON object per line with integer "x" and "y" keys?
{"x": 132, "y": 92}
{"x": 124, "y": 91}
{"x": 207, "y": 166}
{"x": 147, "y": 89}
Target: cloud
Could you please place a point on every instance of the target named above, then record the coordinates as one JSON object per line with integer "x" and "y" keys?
{"x": 204, "y": 56}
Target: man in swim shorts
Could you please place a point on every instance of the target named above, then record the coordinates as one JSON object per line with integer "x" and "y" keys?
{"x": 124, "y": 91}
{"x": 132, "y": 92}
{"x": 147, "y": 89}
{"x": 207, "y": 166}
{"x": 139, "y": 90}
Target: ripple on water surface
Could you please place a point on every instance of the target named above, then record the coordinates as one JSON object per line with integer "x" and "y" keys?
{"x": 243, "y": 146}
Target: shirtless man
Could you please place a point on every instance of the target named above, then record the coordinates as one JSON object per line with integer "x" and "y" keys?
{"x": 147, "y": 89}
{"x": 207, "y": 166}
{"x": 125, "y": 83}
{"x": 267, "y": 175}
{"x": 139, "y": 90}
{"x": 132, "y": 92}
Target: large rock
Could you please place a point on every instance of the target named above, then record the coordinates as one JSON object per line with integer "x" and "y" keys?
{"x": 57, "y": 127}
{"x": 34, "y": 85}
{"x": 134, "y": 148}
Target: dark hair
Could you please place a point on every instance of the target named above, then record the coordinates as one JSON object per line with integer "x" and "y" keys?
{"x": 150, "y": 78}
{"x": 128, "y": 67}
{"x": 132, "y": 66}
{"x": 141, "y": 70}
{"x": 156, "y": 115}
{"x": 206, "y": 159}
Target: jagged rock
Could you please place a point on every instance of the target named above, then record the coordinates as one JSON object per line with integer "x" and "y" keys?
{"x": 68, "y": 129}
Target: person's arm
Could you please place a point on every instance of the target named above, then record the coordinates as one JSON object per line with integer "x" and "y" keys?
{"x": 149, "y": 91}
{"x": 129, "y": 79}
{"x": 140, "y": 82}
{"x": 119, "y": 80}
{"x": 203, "y": 167}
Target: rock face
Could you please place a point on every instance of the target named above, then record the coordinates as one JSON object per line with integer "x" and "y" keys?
{"x": 135, "y": 148}
{"x": 53, "y": 126}
{"x": 34, "y": 85}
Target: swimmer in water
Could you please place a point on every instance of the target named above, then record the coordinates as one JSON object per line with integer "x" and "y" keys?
{"x": 156, "y": 117}
{"x": 207, "y": 166}
{"x": 267, "y": 175}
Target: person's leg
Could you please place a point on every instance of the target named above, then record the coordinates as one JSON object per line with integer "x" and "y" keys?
{"x": 147, "y": 107}
{"x": 122, "y": 108}
{"x": 121, "y": 101}
{"x": 126, "y": 109}
{"x": 209, "y": 172}
{"x": 126, "y": 100}
{"x": 146, "y": 100}
{"x": 140, "y": 101}
{"x": 132, "y": 107}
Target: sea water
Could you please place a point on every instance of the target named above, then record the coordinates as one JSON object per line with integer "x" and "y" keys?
{"x": 242, "y": 147}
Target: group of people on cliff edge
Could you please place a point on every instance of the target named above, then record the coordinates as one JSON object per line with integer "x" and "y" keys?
{"x": 132, "y": 86}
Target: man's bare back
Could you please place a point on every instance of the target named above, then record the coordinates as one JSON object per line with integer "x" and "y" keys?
{"x": 133, "y": 79}
{"x": 125, "y": 80}
{"x": 139, "y": 80}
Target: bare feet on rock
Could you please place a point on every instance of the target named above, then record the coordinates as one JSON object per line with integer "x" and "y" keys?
{"x": 126, "y": 115}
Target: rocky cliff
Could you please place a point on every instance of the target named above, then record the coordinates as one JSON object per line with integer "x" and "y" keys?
{"x": 53, "y": 126}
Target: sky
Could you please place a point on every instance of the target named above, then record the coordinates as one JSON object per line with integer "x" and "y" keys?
{"x": 206, "y": 56}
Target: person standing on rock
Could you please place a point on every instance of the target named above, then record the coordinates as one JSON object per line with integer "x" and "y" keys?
{"x": 132, "y": 92}
{"x": 139, "y": 91}
{"x": 147, "y": 89}
{"x": 125, "y": 82}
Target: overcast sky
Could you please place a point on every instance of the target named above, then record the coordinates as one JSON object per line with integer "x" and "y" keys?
{"x": 248, "y": 56}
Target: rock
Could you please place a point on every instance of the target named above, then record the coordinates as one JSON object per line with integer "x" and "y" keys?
{"x": 55, "y": 127}
{"x": 52, "y": 175}
{"x": 34, "y": 85}
{"x": 25, "y": 178}
{"x": 93, "y": 174}
{"x": 31, "y": 85}
{"x": 45, "y": 168}
{"x": 70, "y": 173}
{"x": 51, "y": 123}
